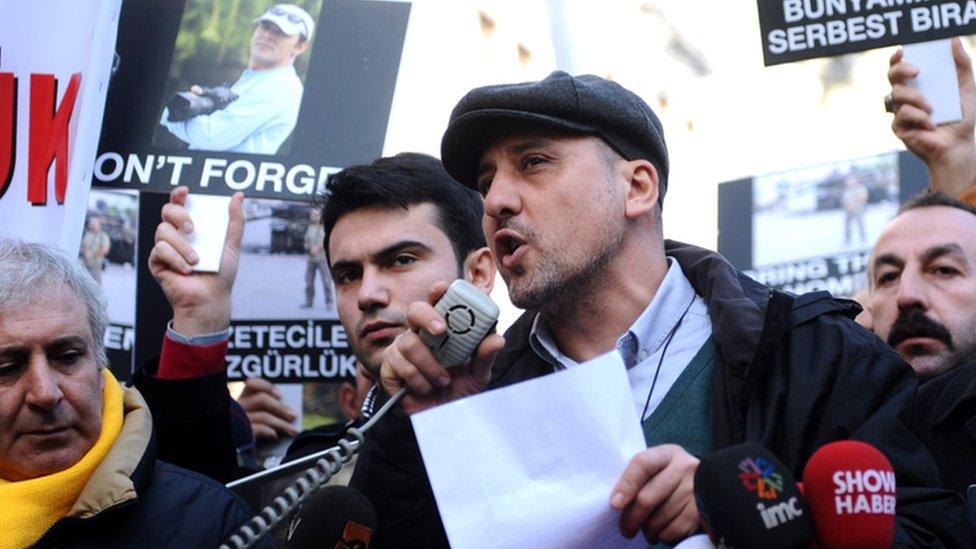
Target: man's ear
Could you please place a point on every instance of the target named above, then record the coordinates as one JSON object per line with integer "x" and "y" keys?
{"x": 347, "y": 400}
{"x": 301, "y": 48}
{"x": 643, "y": 188}
{"x": 479, "y": 269}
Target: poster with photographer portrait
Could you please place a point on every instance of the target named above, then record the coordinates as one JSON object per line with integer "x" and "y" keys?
{"x": 268, "y": 98}
{"x": 248, "y": 95}
{"x": 813, "y": 228}
{"x": 236, "y": 82}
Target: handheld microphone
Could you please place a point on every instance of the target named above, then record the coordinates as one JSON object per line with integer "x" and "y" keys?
{"x": 747, "y": 498}
{"x": 470, "y": 315}
{"x": 336, "y": 517}
{"x": 850, "y": 486}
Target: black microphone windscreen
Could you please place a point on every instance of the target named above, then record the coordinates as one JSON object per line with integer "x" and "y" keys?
{"x": 747, "y": 498}
{"x": 334, "y": 517}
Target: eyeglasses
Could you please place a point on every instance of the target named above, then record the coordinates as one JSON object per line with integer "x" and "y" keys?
{"x": 293, "y": 17}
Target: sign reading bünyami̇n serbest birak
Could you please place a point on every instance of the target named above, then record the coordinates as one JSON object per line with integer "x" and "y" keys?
{"x": 794, "y": 30}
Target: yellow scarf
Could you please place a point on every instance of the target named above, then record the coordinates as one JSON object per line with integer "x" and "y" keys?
{"x": 28, "y": 508}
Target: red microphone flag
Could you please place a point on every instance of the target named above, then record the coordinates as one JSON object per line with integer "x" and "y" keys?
{"x": 850, "y": 488}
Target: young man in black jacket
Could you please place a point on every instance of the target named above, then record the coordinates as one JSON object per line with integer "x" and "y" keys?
{"x": 573, "y": 171}
{"x": 392, "y": 228}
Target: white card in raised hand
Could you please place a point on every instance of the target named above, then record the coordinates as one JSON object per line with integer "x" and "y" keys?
{"x": 936, "y": 78}
{"x": 210, "y": 216}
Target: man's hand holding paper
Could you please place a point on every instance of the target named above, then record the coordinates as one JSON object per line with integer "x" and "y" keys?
{"x": 656, "y": 494}
{"x": 549, "y": 453}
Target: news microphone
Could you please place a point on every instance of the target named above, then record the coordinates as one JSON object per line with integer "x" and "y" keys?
{"x": 336, "y": 517}
{"x": 747, "y": 498}
{"x": 850, "y": 486}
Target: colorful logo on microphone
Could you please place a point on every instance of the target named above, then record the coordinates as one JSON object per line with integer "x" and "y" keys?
{"x": 760, "y": 477}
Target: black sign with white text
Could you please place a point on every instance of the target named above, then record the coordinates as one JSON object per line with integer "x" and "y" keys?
{"x": 290, "y": 351}
{"x": 794, "y": 30}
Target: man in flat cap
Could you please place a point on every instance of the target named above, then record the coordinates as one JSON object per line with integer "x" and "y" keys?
{"x": 573, "y": 171}
{"x": 260, "y": 110}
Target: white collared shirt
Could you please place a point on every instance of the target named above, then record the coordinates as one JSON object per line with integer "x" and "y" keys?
{"x": 643, "y": 344}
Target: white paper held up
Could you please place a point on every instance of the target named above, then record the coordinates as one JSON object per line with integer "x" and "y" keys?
{"x": 533, "y": 464}
{"x": 936, "y": 78}
{"x": 210, "y": 216}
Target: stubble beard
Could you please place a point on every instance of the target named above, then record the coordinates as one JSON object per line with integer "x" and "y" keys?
{"x": 371, "y": 356}
{"x": 371, "y": 363}
{"x": 960, "y": 347}
{"x": 558, "y": 287}
{"x": 928, "y": 367}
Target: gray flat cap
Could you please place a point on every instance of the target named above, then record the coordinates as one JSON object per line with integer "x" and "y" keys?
{"x": 584, "y": 104}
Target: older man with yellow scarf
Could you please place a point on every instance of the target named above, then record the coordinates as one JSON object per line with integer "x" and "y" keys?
{"x": 77, "y": 456}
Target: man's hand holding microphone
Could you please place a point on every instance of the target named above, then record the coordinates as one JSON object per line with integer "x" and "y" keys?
{"x": 409, "y": 362}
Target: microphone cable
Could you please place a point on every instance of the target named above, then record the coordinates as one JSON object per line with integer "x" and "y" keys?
{"x": 458, "y": 342}
{"x": 307, "y": 484}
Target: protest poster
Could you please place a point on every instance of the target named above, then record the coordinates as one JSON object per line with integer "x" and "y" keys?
{"x": 273, "y": 132}
{"x": 194, "y": 102}
{"x": 52, "y": 93}
{"x": 794, "y": 30}
{"x": 812, "y": 228}
{"x": 108, "y": 251}
{"x": 284, "y": 327}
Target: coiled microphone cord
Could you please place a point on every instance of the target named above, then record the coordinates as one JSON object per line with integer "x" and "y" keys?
{"x": 307, "y": 484}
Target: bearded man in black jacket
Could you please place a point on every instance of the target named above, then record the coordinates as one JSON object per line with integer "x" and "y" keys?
{"x": 573, "y": 171}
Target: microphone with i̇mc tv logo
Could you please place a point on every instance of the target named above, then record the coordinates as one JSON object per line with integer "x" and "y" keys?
{"x": 747, "y": 498}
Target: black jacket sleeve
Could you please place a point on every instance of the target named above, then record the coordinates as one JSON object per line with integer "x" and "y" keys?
{"x": 390, "y": 473}
{"x": 946, "y": 424}
{"x": 192, "y": 422}
{"x": 927, "y": 515}
{"x": 842, "y": 382}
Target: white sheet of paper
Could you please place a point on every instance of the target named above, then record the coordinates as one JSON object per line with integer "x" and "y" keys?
{"x": 699, "y": 541}
{"x": 936, "y": 78}
{"x": 210, "y": 215}
{"x": 533, "y": 464}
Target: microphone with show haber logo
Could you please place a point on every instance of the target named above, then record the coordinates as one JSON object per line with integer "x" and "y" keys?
{"x": 850, "y": 487}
